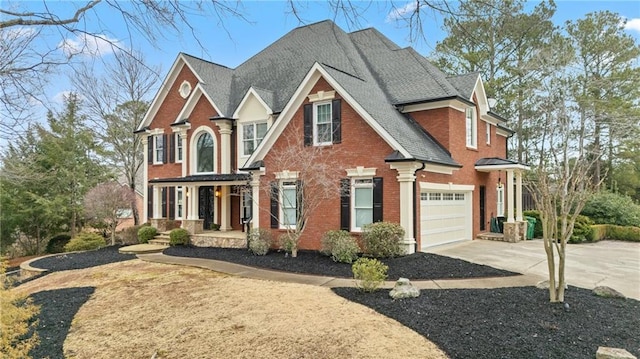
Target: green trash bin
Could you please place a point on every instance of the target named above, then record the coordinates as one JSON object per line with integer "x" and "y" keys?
{"x": 530, "y": 226}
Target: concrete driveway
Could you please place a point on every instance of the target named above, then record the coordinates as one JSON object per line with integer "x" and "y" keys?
{"x": 610, "y": 263}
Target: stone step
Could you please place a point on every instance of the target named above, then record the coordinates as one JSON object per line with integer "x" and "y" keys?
{"x": 160, "y": 241}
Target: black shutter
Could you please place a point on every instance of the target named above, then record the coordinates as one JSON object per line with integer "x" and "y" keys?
{"x": 149, "y": 202}
{"x": 274, "y": 205}
{"x": 336, "y": 121}
{"x": 345, "y": 204}
{"x": 164, "y": 202}
{"x": 172, "y": 149}
{"x": 172, "y": 202}
{"x": 308, "y": 124}
{"x": 150, "y": 150}
{"x": 164, "y": 149}
{"x": 377, "y": 199}
{"x": 299, "y": 202}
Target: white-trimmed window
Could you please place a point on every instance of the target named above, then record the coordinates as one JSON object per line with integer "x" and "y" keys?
{"x": 500, "y": 201}
{"x": 247, "y": 206}
{"x": 205, "y": 153}
{"x": 488, "y": 125}
{"x": 252, "y": 134}
{"x": 361, "y": 203}
{"x": 322, "y": 124}
{"x": 158, "y": 149}
{"x": 178, "y": 149}
{"x": 472, "y": 127}
{"x": 288, "y": 204}
{"x": 179, "y": 202}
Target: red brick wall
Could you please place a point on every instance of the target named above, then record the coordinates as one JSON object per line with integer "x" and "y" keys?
{"x": 360, "y": 146}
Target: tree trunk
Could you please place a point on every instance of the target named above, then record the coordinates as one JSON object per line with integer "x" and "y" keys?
{"x": 134, "y": 211}
{"x": 72, "y": 230}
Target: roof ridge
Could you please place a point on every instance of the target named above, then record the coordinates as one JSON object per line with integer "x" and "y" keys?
{"x": 207, "y": 61}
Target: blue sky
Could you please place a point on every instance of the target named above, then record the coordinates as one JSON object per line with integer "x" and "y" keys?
{"x": 266, "y": 21}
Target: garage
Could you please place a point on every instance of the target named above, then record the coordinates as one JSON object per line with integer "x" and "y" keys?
{"x": 445, "y": 216}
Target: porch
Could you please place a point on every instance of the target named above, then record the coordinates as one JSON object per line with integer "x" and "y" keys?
{"x": 228, "y": 239}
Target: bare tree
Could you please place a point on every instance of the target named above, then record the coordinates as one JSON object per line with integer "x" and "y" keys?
{"x": 117, "y": 104}
{"x": 315, "y": 179}
{"x": 106, "y": 202}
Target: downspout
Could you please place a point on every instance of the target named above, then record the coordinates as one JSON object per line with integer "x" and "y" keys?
{"x": 415, "y": 206}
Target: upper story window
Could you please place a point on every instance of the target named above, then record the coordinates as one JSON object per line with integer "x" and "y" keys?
{"x": 159, "y": 148}
{"x": 488, "y": 133}
{"x": 322, "y": 124}
{"x": 252, "y": 134}
{"x": 204, "y": 153}
{"x": 178, "y": 147}
{"x": 471, "y": 127}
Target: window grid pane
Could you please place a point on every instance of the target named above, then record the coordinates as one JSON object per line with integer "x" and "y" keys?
{"x": 179, "y": 147}
{"x": 324, "y": 113}
{"x": 205, "y": 153}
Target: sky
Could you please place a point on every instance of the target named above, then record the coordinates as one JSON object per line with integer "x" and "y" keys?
{"x": 230, "y": 41}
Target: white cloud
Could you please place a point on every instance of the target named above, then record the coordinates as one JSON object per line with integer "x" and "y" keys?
{"x": 400, "y": 13}
{"x": 62, "y": 96}
{"x": 633, "y": 24}
{"x": 89, "y": 45}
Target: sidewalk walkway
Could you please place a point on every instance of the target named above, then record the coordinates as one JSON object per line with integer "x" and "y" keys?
{"x": 330, "y": 282}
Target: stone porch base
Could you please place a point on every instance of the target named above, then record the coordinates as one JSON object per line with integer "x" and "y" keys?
{"x": 234, "y": 239}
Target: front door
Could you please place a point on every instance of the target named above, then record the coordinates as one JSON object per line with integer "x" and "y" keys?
{"x": 205, "y": 206}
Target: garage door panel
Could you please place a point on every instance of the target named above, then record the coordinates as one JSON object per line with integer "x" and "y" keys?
{"x": 444, "y": 217}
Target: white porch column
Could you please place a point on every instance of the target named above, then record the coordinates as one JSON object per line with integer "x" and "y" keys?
{"x": 193, "y": 202}
{"x": 510, "y": 196}
{"x": 406, "y": 178}
{"x": 156, "y": 202}
{"x": 145, "y": 177}
{"x": 183, "y": 138}
{"x": 225, "y": 208}
{"x": 519, "y": 196}
{"x": 255, "y": 198}
{"x": 225, "y": 130}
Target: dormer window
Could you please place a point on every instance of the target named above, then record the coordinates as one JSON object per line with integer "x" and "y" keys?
{"x": 471, "y": 127}
{"x": 252, "y": 135}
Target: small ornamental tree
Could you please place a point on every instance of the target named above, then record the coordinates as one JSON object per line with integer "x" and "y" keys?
{"x": 105, "y": 203}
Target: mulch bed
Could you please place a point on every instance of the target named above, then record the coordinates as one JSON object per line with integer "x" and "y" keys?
{"x": 417, "y": 266}
{"x": 81, "y": 260}
{"x": 512, "y": 322}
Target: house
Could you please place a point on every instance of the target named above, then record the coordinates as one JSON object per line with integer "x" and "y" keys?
{"x": 414, "y": 145}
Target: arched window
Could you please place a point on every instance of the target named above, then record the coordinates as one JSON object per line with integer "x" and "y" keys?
{"x": 205, "y": 153}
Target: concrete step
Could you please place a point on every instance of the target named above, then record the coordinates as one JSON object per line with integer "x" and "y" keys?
{"x": 160, "y": 241}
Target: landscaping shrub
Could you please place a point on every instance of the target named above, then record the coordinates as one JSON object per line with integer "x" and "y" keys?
{"x": 612, "y": 208}
{"x": 85, "y": 241}
{"x": 369, "y": 273}
{"x": 145, "y": 233}
{"x": 623, "y": 233}
{"x": 582, "y": 231}
{"x": 382, "y": 239}
{"x": 537, "y": 229}
{"x": 130, "y": 235}
{"x": 599, "y": 232}
{"x": 178, "y": 236}
{"x": 56, "y": 244}
{"x": 260, "y": 240}
{"x": 340, "y": 246}
{"x": 287, "y": 242}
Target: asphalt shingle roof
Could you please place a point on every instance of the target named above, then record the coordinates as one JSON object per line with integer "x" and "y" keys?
{"x": 372, "y": 69}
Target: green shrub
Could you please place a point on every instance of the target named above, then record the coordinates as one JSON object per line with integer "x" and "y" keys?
{"x": 382, "y": 239}
{"x": 340, "y": 246}
{"x": 537, "y": 229}
{"x": 260, "y": 240}
{"x": 287, "y": 242}
{"x": 599, "y": 232}
{"x": 369, "y": 274}
{"x": 623, "y": 233}
{"x": 56, "y": 244}
{"x": 582, "y": 231}
{"x": 612, "y": 208}
{"x": 178, "y": 236}
{"x": 85, "y": 241}
{"x": 145, "y": 233}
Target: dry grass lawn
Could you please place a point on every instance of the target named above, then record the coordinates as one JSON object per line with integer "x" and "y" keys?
{"x": 142, "y": 310}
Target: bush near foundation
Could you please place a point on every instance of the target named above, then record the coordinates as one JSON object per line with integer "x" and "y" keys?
{"x": 260, "y": 240}
{"x": 145, "y": 233}
{"x": 382, "y": 239}
{"x": 340, "y": 246}
{"x": 369, "y": 274}
{"x": 179, "y": 237}
{"x": 56, "y": 244}
{"x": 85, "y": 241}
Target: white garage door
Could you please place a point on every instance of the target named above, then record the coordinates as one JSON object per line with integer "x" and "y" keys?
{"x": 445, "y": 216}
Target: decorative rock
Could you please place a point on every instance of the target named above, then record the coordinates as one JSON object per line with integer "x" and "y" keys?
{"x": 404, "y": 289}
{"x": 545, "y": 285}
{"x": 613, "y": 353}
{"x": 608, "y": 292}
